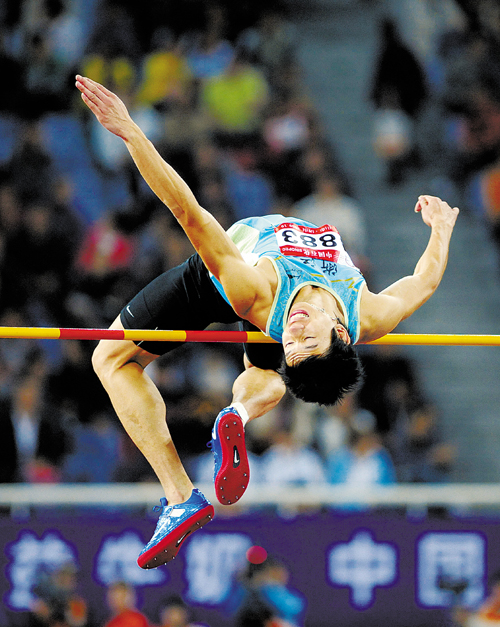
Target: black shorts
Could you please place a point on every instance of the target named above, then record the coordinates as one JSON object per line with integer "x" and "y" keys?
{"x": 185, "y": 298}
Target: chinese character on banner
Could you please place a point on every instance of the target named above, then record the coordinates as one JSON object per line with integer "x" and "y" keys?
{"x": 362, "y": 564}
{"x": 451, "y": 566}
{"x": 31, "y": 557}
{"x": 212, "y": 560}
{"x": 116, "y": 560}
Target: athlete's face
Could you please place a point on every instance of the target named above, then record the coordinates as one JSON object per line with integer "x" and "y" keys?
{"x": 308, "y": 331}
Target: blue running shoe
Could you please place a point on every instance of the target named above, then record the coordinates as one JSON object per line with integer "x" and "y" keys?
{"x": 176, "y": 522}
{"x": 231, "y": 469}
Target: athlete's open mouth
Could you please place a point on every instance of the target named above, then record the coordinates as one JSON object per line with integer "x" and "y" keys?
{"x": 296, "y": 315}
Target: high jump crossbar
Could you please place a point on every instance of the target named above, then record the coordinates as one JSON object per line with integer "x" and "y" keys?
{"x": 247, "y": 337}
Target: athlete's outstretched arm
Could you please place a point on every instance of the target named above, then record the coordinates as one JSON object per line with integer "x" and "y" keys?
{"x": 242, "y": 283}
{"x": 382, "y": 312}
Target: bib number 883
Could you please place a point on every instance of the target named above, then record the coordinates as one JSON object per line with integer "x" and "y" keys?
{"x": 327, "y": 240}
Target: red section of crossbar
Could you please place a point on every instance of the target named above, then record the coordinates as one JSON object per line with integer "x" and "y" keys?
{"x": 216, "y": 336}
{"x": 91, "y": 334}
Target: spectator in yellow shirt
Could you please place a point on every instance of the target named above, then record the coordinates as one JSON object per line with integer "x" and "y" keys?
{"x": 234, "y": 101}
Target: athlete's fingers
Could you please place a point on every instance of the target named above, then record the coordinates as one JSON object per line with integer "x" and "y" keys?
{"x": 91, "y": 88}
{"x": 421, "y": 199}
{"x": 102, "y": 92}
{"x": 105, "y": 90}
{"x": 90, "y": 103}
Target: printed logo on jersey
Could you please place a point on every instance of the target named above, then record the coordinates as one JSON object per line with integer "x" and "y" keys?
{"x": 321, "y": 242}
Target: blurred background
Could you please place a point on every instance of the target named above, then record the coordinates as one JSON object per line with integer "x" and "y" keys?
{"x": 336, "y": 111}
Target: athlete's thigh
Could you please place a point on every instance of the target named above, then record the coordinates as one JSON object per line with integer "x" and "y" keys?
{"x": 116, "y": 353}
{"x": 183, "y": 298}
{"x": 264, "y": 356}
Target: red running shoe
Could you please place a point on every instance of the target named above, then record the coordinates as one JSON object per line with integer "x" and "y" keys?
{"x": 231, "y": 470}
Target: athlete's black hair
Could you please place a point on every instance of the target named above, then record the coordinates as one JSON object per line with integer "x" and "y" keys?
{"x": 326, "y": 378}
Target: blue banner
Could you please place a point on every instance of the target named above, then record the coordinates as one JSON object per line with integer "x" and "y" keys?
{"x": 372, "y": 569}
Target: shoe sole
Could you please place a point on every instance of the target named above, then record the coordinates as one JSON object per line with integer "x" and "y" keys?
{"x": 167, "y": 548}
{"x": 233, "y": 476}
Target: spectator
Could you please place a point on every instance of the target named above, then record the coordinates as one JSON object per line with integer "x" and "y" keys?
{"x": 33, "y": 438}
{"x": 10, "y": 228}
{"x": 249, "y": 190}
{"x": 287, "y": 129}
{"x": 160, "y": 246}
{"x": 328, "y": 205}
{"x": 311, "y": 162}
{"x": 364, "y": 461}
{"x": 397, "y": 70}
{"x": 332, "y": 427}
{"x": 13, "y": 98}
{"x": 57, "y": 600}
{"x": 419, "y": 453}
{"x": 485, "y": 199}
{"x": 288, "y": 462}
{"x": 398, "y": 92}
{"x": 287, "y": 132}
{"x": 393, "y": 138}
{"x": 102, "y": 268}
{"x": 390, "y": 385}
{"x": 208, "y": 160}
{"x": 10, "y": 209}
{"x": 114, "y": 34}
{"x": 214, "y": 198}
{"x": 15, "y": 353}
{"x": 112, "y": 56}
{"x": 175, "y": 613}
{"x": 269, "y": 601}
{"x": 470, "y": 105}
{"x": 42, "y": 278}
{"x": 234, "y": 101}
{"x": 68, "y": 220}
{"x": 31, "y": 169}
{"x": 271, "y": 42}
{"x": 166, "y": 77}
{"x": 64, "y": 384}
{"x": 122, "y": 603}
{"x": 67, "y": 34}
{"x": 96, "y": 451}
{"x": 210, "y": 54}
{"x": 46, "y": 79}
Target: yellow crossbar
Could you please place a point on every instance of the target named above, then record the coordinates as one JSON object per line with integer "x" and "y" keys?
{"x": 403, "y": 339}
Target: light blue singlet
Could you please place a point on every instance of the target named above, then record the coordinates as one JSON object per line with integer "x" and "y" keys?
{"x": 302, "y": 254}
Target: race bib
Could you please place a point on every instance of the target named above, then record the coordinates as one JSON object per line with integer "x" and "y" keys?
{"x": 322, "y": 242}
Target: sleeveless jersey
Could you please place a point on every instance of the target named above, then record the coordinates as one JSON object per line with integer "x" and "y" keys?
{"x": 302, "y": 254}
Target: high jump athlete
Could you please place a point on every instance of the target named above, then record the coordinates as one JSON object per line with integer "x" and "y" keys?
{"x": 291, "y": 279}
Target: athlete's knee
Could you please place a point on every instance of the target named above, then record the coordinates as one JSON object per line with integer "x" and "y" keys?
{"x": 106, "y": 358}
{"x": 98, "y": 359}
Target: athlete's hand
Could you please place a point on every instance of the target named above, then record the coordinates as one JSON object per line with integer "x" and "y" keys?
{"x": 105, "y": 105}
{"x": 436, "y": 211}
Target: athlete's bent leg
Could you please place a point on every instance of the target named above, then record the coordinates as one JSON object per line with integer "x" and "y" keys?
{"x": 258, "y": 390}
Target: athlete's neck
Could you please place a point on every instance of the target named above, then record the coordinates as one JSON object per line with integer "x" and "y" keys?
{"x": 322, "y": 300}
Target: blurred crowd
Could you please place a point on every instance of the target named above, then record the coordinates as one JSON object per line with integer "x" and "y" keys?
{"x": 259, "y": 595}
{"x": 218, "y": 89}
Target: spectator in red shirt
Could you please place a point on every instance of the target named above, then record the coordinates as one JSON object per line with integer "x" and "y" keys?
{"x": 122, "y": 603}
